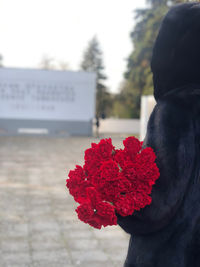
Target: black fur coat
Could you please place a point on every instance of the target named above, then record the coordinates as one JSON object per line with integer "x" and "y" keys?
{"x": 167, "y": 233}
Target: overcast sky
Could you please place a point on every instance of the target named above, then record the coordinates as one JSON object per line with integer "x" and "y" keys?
{"x": 61, "y": 29}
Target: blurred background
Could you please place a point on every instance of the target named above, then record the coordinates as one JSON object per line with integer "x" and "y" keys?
{"x": 71, "y": 72}
{"x": 111, "y": 39}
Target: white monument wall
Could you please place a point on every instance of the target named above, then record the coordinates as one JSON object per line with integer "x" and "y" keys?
{"x": 58, "y": 100}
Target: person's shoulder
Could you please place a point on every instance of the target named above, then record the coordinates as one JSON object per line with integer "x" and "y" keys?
{"x": 185, "y": 98}
{"x": 171, "y": 112}
{"x": 179, "y": 106}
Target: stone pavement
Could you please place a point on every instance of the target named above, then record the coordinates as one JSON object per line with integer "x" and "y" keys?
{"x": 38, "y": 224}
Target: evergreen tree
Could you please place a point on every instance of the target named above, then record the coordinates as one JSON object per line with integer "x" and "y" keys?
{"x": 93, "y": 62}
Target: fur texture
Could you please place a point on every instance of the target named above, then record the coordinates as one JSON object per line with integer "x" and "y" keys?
{"x": 167, "y": 233}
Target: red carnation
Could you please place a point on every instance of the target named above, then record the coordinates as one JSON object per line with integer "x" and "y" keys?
{"x": 85, "y": 212}
{"x": 109, "y": 170}
{"x": 110, "y": 190}
{"x": 121, "y": 157}
{"x": 113, "y": 180}
{"x": 96, "y": 212}
{"x": 77, "y": 183}
{"x": 125, "y": 205}
{"x": 147, "y": 155}
{"x": 132, "y": 146}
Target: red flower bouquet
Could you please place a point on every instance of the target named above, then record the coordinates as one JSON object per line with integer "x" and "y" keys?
{"x": 113, "y": 181}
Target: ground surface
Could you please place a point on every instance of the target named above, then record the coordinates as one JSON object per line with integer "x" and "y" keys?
{"x": 38, "y": 224}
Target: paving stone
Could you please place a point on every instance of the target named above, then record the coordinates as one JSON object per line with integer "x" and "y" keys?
{"x": 45, "y": 236}
{"x": 109, "y": 233}
{"x": 114, "y": 244}
{"x": 118, "y": 263}
{"x": 16, "y": 265}
{"x": 74, "y": 225}
{"x": 117, "y": 255}
{"x": 95, "y": 264}
{"x": 91, "y": 255}
{"x": 57, "y": 256}
{"x": 78, "y": 234}
{"x": 39, "y": 226}
{"x": 50, "y": 264}
{"x": 15, "y": 245}
{"x": 47, "y": 245}
{"x": 13, "y": 229}
{"x": 16, "y": 258}
{"x": 44, "y": 226}
{"x": 83, "y": 244}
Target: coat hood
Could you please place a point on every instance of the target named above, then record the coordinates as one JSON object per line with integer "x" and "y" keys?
{"x": 176, "y": 53}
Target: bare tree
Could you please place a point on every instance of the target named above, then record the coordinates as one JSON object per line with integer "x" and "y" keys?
{"x": 49, "y": 63}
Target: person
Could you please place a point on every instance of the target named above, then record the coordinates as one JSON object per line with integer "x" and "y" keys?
{"x": 97, "y": 126}
{"x": 167, "y": 232}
